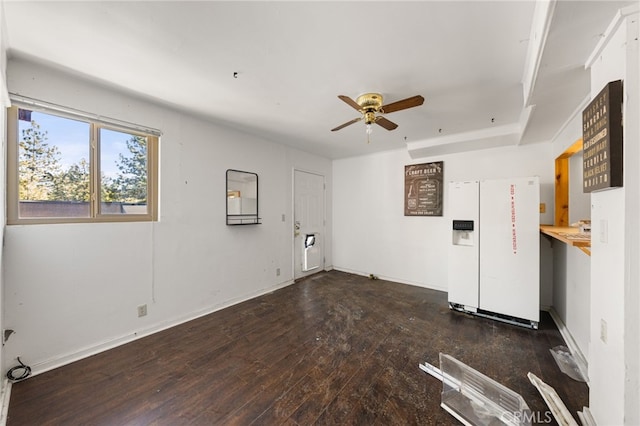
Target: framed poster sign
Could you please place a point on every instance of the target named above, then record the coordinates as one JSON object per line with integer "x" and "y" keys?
{"x": 423, "y": 189}
{"x": 602, "y": 140}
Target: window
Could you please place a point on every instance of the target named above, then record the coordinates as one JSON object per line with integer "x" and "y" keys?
{"x": 71, "y": 167}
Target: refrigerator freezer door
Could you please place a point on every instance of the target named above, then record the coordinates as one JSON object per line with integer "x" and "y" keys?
{"x": 510, "y": 247}
{"x": 464, "y": 244}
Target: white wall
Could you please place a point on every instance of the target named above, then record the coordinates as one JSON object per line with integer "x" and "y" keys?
{"x": 372, "y": 235}
{"x": 3, "y": 135}
{"x": 73, "y": 289}
{"x": 571, "y": 266}
{"x": 579, "y": 202}
{"x": 572, "y": 293}
{"x": 614, "y": 367}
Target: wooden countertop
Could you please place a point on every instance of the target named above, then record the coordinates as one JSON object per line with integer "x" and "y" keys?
{"x": 569, "y": 235}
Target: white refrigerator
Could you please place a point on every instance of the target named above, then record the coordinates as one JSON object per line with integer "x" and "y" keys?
{"x": 494, "y": 254}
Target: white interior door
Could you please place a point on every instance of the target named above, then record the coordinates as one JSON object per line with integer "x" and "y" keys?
{"x": 308, "y": 223}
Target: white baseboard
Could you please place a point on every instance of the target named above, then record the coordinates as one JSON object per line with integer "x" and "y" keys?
{"x": 59, "y": 361}
{"x": 571, "y": 343}
{"x": 395, "y": 280}
{"x": 5, "y": 397}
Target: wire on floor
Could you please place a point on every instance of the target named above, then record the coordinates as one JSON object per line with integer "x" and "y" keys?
{"x": 19, "y": 372}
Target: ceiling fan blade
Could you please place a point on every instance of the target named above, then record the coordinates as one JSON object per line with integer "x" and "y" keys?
{"x": 389, "y": 125}
{"x": 411, "y": 102}
{"x": 348, "y": 123}
{"x": 350, "y": 101}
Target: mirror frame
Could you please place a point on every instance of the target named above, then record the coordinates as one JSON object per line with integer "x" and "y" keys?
{"x": 242, "y": 217}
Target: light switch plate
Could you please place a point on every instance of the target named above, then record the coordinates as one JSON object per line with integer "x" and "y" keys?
{"x": 604, "y": 231}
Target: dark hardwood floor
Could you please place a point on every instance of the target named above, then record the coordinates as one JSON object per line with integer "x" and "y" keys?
{"x": 334, "y": 348}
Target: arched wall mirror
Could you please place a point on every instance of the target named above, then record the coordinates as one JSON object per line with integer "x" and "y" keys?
{"x": 242, "y": 198}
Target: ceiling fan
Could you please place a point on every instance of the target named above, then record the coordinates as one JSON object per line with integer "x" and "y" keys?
{"x": 370, "y": 104}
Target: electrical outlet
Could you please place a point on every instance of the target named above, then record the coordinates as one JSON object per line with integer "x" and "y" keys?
{"x": 603, "y": 330}
{"x": 278, "y": 272}
{"x": 543, "y": 208}
{"x": 142, "y": 310}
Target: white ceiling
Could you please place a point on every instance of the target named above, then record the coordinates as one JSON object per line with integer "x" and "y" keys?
{"x": 292, "y": 59}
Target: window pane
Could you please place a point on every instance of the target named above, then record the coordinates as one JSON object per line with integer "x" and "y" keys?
{"x": 53, "y": 166}
{"x": 123, "y": 173}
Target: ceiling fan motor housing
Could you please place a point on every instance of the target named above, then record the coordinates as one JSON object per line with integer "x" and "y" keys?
{"x": 370, "y": 102}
